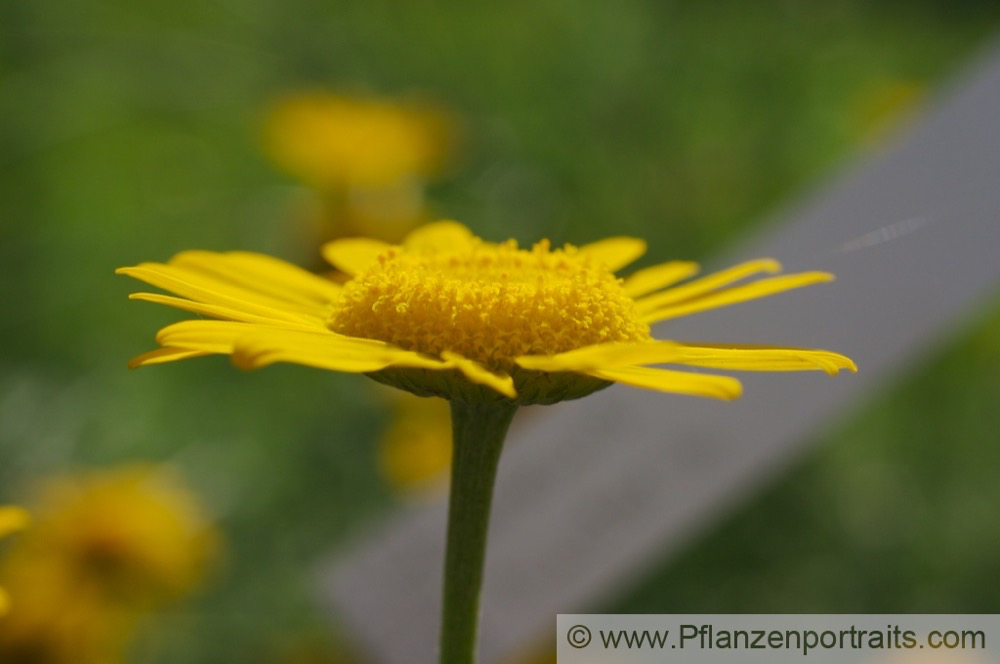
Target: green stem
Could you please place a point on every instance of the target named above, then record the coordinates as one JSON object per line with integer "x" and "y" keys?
{"x": 478, "y": 431}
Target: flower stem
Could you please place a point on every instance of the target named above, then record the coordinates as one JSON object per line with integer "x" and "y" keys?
{"x": 478, "y": 431}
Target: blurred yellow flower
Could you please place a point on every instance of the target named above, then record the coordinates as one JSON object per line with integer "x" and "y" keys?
{"x": 107, "y": 546}
{"x": 447, "y": 314}
{"x": 328, "y": 139}
{"x": 12, "y": 519}
{"x": 366, "y": 159}
{"x": 416, "y": 447}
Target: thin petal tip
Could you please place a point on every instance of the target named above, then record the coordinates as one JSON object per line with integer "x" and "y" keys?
{"x": 770, "y": 265}
{"x": 726, "y": 393}
{"x": 834, "y": 363}
{"x": 731, "y": 391}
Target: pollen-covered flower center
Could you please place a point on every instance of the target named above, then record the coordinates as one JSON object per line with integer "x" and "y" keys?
{"x": 490, "y": 303}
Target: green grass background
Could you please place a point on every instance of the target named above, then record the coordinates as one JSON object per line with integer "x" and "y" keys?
{"x": 130, "y": 131}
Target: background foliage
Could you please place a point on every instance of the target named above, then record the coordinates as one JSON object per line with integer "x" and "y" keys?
{"x": 130, "y": 131}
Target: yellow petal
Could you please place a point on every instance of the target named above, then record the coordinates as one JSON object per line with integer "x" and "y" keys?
{"x": 4, "y": 602}
{"x": 724, "y": 298}
{"x": 761, "y": 358}
{"x": 439, "y": 236}
{"x": 207, "y": 336}
{"x": 477, "y": 373}
{"x": 214, "y": 336}
{"x": 211, "y": 310}
{"x": 707, "y": 283}
{"x": 354, "y": 254}
{"x": 254, "y": 346}
{"x": 265, "y": 274}
{"x": 714, "y": 356}
{"x": 161, "y": 355}
{"x": 602, "y": 356}
{"x": 263, "y": 346}
{"x": 656, "y": 277}
{"x": 13, "y": 519}
{"x": 614, "y": 252}
{"x": 256, "y": 353}
{"x": 211, "y": 290}
{"x": 679, "y": 382}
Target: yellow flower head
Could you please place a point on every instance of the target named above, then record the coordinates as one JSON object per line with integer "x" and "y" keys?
{"x": 12, "y": 519}
{"x": 416, "y": 445}
{"x": 131, "y": 534}
{"x": 105, "y": 548}
{"x": 331, "y": 140}
{"x": 448, "y": 314}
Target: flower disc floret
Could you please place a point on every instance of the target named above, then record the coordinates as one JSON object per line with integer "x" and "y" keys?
{"x": 490, "y": 303}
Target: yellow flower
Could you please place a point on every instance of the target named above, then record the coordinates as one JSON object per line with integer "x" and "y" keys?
{"x": 12, "y": 519}
{"x": 448, "y": 314}
{"x": 105, "y": 548}
{"x": 416, "y": 446}
{"x": 367, "y": 160}
{"x": 132, "y": 530}
{"x": 328, "y": 139}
